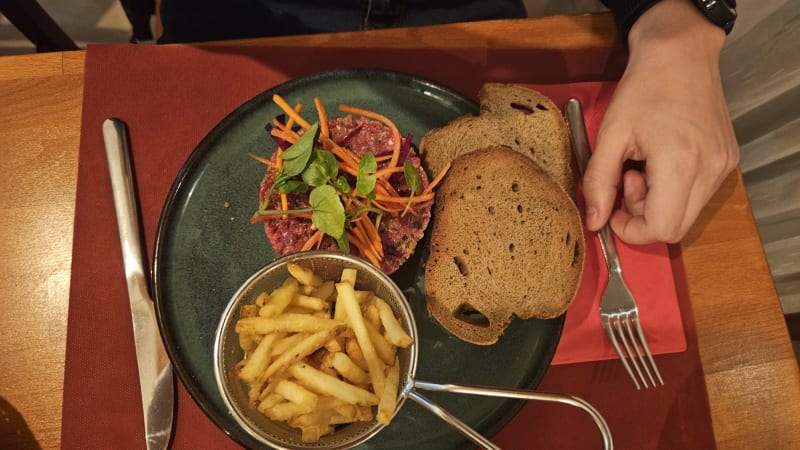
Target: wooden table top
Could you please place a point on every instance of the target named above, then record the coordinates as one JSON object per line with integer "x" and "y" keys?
{"x": 750, "y": 369}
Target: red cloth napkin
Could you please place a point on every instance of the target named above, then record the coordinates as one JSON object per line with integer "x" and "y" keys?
{"x": 172, "y": 96}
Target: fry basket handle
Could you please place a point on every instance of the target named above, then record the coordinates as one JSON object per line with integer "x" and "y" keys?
{"x": 521, "y": 394}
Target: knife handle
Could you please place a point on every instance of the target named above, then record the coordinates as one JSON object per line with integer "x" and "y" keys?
{"x": 115, "y": 136}
{"x": 582, "y": 150}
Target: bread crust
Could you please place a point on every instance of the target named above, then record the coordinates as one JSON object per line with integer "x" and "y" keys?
{"x": 507, "y": 241}
{"x": 517, "y": 117}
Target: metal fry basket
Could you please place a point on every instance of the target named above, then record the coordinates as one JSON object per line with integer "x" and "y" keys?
{"x": 329, "y": 265}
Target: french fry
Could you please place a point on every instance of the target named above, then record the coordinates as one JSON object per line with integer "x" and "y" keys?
{"x": 279, "y": 299}
{"x": 296, "y": 394}
{"x": 248, "y": 311}
{"x": 388, "y": 402}
{"x": 353, "y": 350}
{"x": 383, "y": 348}
{"x": 325, "y": 291}
{"x": 315, "y": 368}
{"x": 269, "y": 401}
{"x": 326, "y": 364}
{"x": 348, "y": 369}
{"x": 349, "y": 275}
{"x": 394, "y": 331}
{"x": 287, "y": 410}
{"x": 311, "y": 303}
{"x": 364, "y": 296}
{"x": 258, "y": 360}
{"x": 323, "y": 383}
{"x": 304, "y": 275}
{"x": 304, "y": 348}
{"x": 347, "y": 299}
{"x": 339, "y": 311}
{"x": 372, "y": 316}
{"x": 261, "y": 300}
{"x": 281, "y": 345}
{"x": 335, "y": 345}
{"x": 290, "y": 323}
{"x": 314, "y": 433}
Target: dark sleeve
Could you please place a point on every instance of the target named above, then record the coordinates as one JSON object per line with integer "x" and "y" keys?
{"x": 626, "y": 12}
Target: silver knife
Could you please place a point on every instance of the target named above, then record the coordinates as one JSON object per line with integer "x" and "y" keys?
{"x": 155, "y": 371}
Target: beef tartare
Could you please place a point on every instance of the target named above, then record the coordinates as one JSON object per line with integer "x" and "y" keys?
{"x": 379, "y": 181}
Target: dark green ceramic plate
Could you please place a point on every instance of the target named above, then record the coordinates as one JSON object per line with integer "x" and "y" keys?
{"x": 206, "y": 247}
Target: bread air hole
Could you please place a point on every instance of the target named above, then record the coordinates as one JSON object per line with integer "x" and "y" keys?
{"x": 520, "y": 107}
{"x": 462, "y": 265}
{"x": 575, "y": 254}
{"x": 466, "y": 313}
{"x": 541, "y": 107}
{"x": 515, "y": 186}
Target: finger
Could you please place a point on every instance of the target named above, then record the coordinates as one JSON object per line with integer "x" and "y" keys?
{"x": 664, "y": 212}
{"x": 602, "y": 176}
{"x": 634, "y": 192}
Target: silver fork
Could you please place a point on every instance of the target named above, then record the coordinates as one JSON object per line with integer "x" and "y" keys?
{"x": 618, "y": 311}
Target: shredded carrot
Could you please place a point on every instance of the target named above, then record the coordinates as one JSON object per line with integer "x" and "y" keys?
{"x": 389, "y": 170}
{"x": 436, "y": 180}
{"x": 344, "y": 154}
{"x": 363, "y": 248}
{"x": 315, "y": 239}
{"x": 289, "y": 111}
{"x": 262, "y": 160}
{"x": 323, "y": 117}
{"x": 373, "y": 235}
{"x": 415, "y": 199}
{"x": 287, "y": 135}
{"x": 384, "y": 120}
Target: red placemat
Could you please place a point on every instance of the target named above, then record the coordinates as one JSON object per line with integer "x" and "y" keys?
{"x": 172, "y": 96}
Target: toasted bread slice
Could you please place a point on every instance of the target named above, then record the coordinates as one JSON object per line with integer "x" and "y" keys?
{"x": 507, "y": 240}
{"x": 514, "y": 116}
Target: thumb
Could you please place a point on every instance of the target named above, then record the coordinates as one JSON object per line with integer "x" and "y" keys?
{"x": 601, "y": 180}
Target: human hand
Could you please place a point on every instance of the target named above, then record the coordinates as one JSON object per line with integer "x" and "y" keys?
{"x": 669, "y": 111}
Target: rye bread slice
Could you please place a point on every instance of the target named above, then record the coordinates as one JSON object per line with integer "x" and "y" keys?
{"x": 513, "y": 116}
{"x": 506, "y": 240}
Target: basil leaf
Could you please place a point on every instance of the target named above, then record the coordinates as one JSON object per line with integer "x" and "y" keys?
{"x": 412, "y": 177}
{"x": 321, "y": 169}
{"x": 328, "y": 214}
{"x": 296, "y": 157}
{"x": 365, "y": 184}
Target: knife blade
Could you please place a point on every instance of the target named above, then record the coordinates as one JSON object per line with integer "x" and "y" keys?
{"x": 155, "y": 370}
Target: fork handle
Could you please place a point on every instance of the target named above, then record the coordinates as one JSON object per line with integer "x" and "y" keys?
{"x": 609, "y": 249}
{"x": 580, "y": 145}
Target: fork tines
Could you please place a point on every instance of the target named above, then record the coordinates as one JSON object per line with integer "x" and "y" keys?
{"x": 620, "y": 329}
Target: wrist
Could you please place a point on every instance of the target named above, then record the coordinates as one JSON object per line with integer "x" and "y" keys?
{"x": 675, "y": 22}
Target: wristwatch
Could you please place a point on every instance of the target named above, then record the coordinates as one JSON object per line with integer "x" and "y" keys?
{"x": 721, "y": 13}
